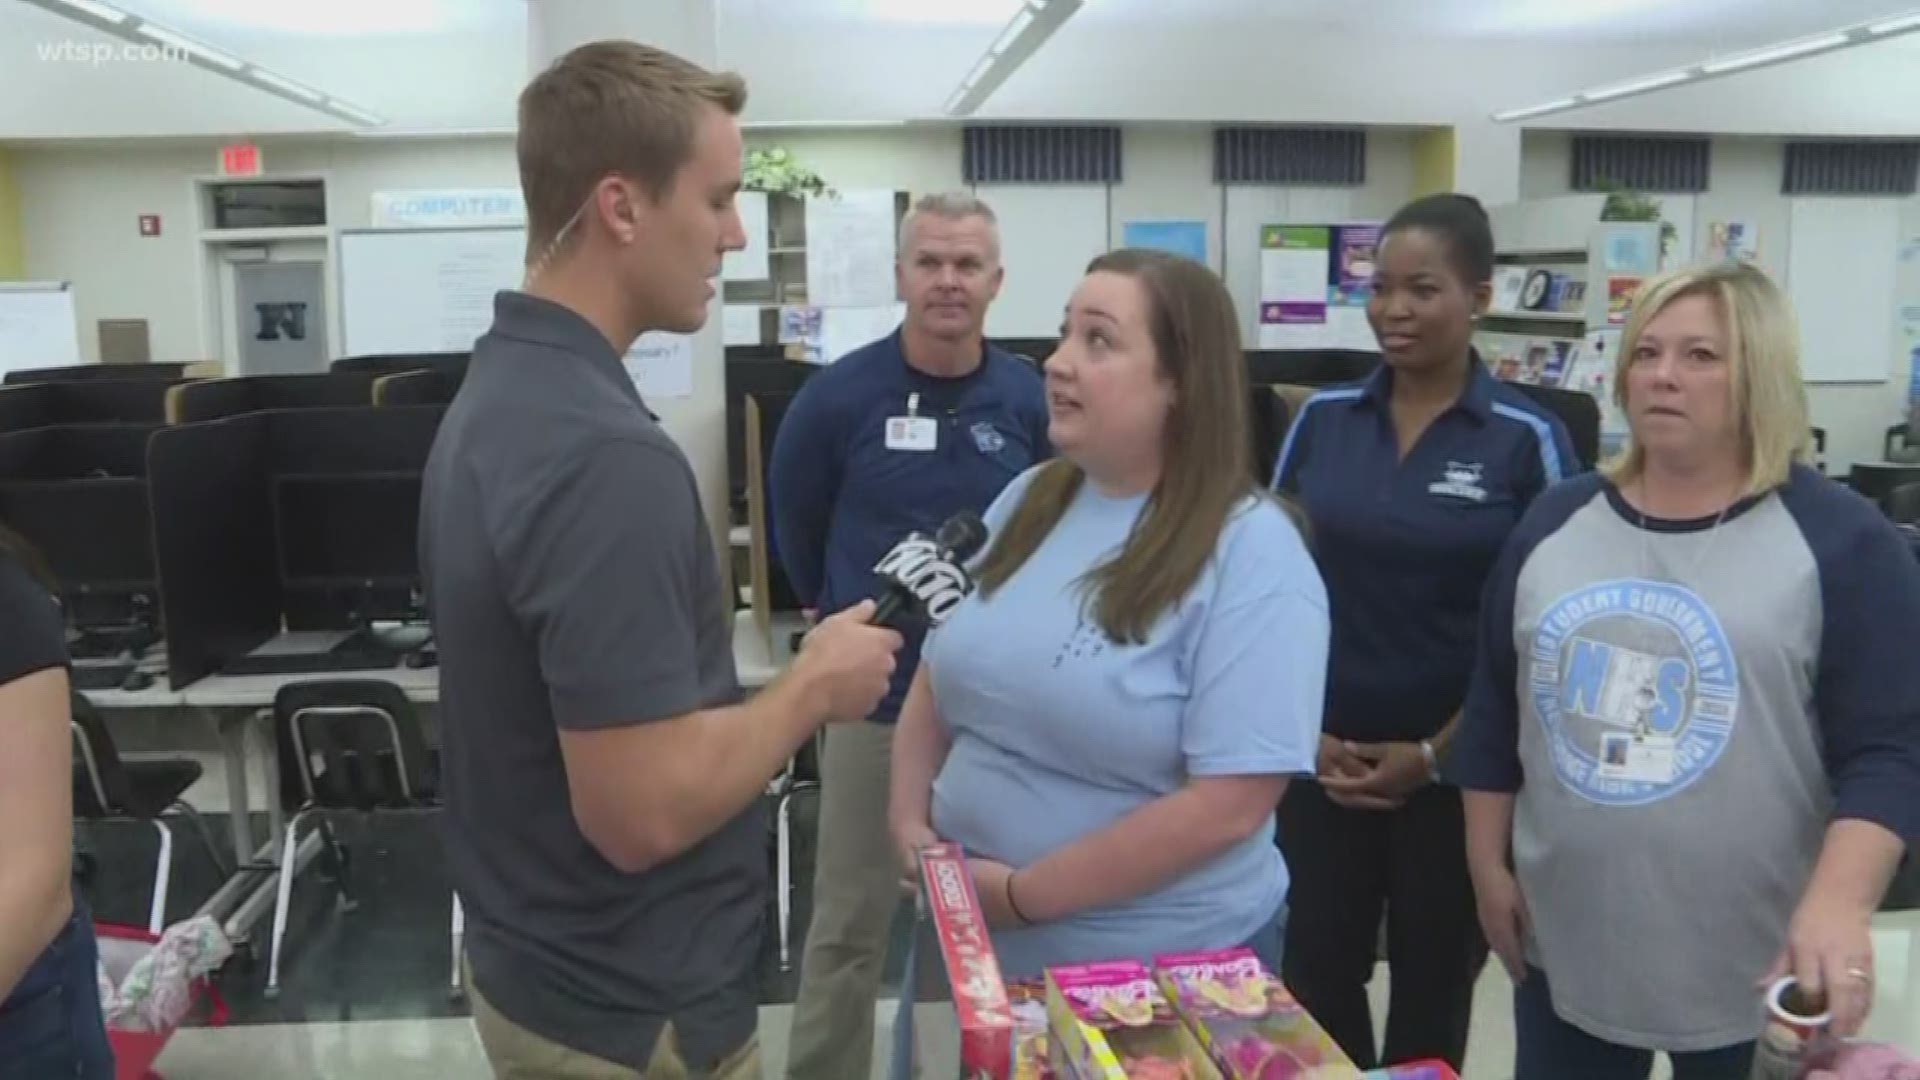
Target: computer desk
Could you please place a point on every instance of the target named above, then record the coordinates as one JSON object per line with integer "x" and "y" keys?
{"x": 236, "y": 706}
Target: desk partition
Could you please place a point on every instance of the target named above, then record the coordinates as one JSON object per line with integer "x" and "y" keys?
{"x": 30, "y": 405}
{"x": 161, "y": 371}
{"x": 212, "y": 399}
{"x": 213, "y": 541}
{"x": 285, "y": 520}
{"x": 78, "y": 494}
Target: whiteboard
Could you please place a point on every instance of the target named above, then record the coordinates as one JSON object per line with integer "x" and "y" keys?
{"x": 850, "y": 242}
{"x": 38, "y": 327}
{"x": 1048, "y": 234}
{"x": 1841, "y": 262}
{"x": 424, "y": 290}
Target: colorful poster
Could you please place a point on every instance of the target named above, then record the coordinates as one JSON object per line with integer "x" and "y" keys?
{"x": 1187, "y": 238}
{"x": 1294, "y": 273}
{"x": 1620, "y": 291}
{"x": 1733, "y": 240}
{"x": 1631, "y": 252}
{"x": 1353, "y": 261}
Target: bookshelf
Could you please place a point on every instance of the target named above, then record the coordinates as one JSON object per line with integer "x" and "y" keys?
{"x": 786, "y": 282}
{"x": 1563, "y": 284}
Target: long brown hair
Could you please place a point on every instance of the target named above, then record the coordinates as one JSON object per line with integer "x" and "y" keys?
{"x": 1204, "y": 469}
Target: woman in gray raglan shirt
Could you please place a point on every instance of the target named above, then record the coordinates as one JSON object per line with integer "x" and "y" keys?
{"x": 1696, "y": 716}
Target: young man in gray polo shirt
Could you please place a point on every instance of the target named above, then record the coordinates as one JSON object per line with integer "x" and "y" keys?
{"x": 602, "y": 775}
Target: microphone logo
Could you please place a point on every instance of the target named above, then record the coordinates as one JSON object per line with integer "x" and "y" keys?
{"x": 919, "y": 566}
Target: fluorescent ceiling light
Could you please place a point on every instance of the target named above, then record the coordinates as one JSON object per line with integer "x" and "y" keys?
{"x": 342, "y": 17}
{"x": 1025, "y": 32}
{"x": 1015, "y": 27}
{"x": 286, "y": 86}
{"x": 142, "y": 31}
{"x": 182, "y": 44}
{"x": 979, "y": 70}
{"x": 1637, "y": 86}
{"x": 96, "y": 9}
{"x": 1780, "y": 52}
{"x": 357, "y": 115}
{"x": 1773, "y": 54}
{"x": 939, "y": 12}
{"x": 1535, "y": 110}
{"x": 1899, "y": 24}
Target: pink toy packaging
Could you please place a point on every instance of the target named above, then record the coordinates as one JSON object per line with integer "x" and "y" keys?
{"x": 1110, "y": 1021}
{"x": 1252, "y": 1028}
{"x": 1028, "y": 999}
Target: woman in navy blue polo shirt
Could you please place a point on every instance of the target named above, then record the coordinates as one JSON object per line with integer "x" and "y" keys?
{"x": 1411, "y": 482}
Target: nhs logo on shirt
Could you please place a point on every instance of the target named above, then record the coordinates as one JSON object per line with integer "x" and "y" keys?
{"x": 1636, "y": 687}
{"x": 1461, "y": 480}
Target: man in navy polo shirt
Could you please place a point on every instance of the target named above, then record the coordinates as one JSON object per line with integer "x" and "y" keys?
{"x": 845, "y": 486}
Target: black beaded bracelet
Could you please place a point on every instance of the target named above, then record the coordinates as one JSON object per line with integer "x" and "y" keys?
{"x": 1014, "y": 905}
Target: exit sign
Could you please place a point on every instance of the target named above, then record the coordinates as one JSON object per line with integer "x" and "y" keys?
{"x": 240, "y": 159}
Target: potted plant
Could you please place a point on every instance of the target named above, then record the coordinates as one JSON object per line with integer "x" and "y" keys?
{"x": 776, "y": 171}
{"x": 1625, "y": 204}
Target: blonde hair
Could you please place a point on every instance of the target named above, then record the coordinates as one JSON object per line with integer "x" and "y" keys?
{"x": 1763, "y": 358}
{"x": 610, "y": 107}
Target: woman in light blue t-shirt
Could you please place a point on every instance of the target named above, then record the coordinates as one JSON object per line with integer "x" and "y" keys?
{"x": 1107, "y": 724}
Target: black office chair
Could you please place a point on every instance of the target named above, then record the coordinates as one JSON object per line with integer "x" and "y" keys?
{"x": 1903, "y": 503}
{"x": 1877, "y": 481}
{"x": 1578, "y": 412}
{"x": 1902, "y": 445}
{"x": 347, "y": 745}
{"x": 1269, "y": 414}
{"x": 107, "y": 788}
{"x": 1820, "y": 449}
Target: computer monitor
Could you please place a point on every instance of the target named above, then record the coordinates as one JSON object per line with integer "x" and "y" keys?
{"x": 347, "y": 545}
{"x": 97, "y": 538}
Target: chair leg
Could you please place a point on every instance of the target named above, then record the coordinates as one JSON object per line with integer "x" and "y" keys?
{"x": 205, "y": 833}
{"x": 784, "y": 896}
{"x": 459, "y": 942}
{"x": 341, "y": 859}
{"x": 289, "y": 860}
{"x": 162, "y": 877}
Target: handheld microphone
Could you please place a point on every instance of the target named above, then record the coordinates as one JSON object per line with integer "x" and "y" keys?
{"x": 926, "y": 577}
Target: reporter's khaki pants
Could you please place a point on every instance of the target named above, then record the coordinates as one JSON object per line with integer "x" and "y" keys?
{"x": 856, "y": 889}
{"x": 518, "y": 1054}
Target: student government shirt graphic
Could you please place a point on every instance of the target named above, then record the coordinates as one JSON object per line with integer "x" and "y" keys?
{"x": 1637, "y": 689}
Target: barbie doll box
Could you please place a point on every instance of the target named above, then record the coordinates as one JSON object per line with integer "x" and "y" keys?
{"x": 1110, "y": 1021}
{"x": 1252, "y": 1028}
{"x": 973, "y": 971}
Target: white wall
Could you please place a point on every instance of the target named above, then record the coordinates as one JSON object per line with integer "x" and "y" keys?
{"x": 80, "y": 211}
{"x": 1167, "y": 175}
{"x": 81, "y": 205}
{"x": 1389, "y": 185}
{"x": 1744, "y": 185}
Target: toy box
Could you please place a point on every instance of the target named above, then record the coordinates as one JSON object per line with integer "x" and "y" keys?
{"x": 1030, "y": 1053}
{"x": 1419, "y": 1070}
{"x": 1251, "y": 1027}
{"x": 1110, "y": 1021}
{"x": 973, "y": 971}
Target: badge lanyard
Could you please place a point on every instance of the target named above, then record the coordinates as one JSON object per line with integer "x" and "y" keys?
{"x": 1647, "y": 568}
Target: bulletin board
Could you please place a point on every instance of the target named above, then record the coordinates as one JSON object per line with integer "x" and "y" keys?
{"x": 1315, "y": 280}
